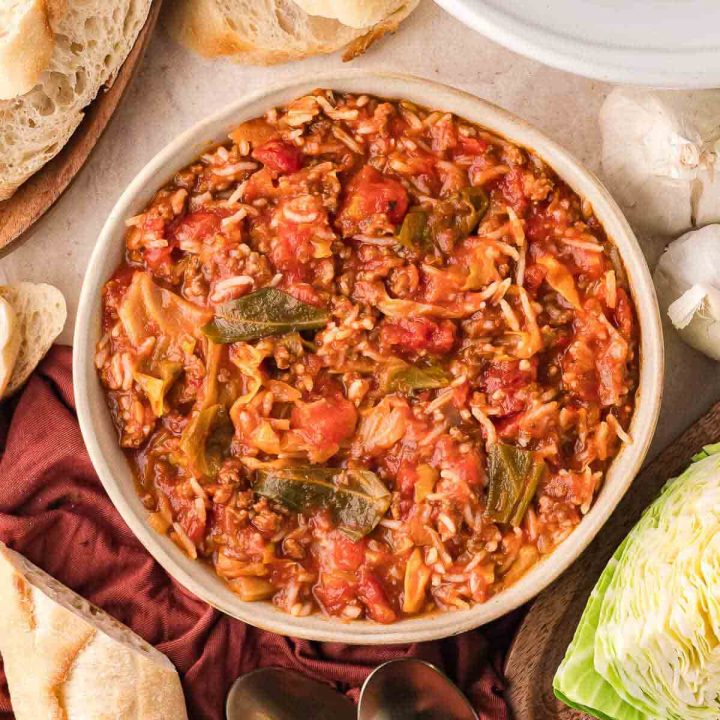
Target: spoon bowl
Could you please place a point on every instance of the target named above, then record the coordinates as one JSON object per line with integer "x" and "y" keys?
{"x": 410, "y": 689}
{"x": 278, "y": 694}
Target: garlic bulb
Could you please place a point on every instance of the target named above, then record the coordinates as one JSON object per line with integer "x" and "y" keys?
{"x": 660, "y": 158}
{"x": 687, "y": 280}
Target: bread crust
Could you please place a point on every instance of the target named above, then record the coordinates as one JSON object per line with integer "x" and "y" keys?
{"x": 9, "y": 343}
{"x": 91, "y": 40}
{"x": 388, "y": 26}
{"x": 46, "y": 631}
{"x": 25, "y": 47}
{"x": 210, "y": 30}
{"x": 354, "y": 13}
{"x": 40, "y": 314}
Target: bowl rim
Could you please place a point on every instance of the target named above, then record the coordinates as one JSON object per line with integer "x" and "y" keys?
{"x": 101, "y": 439}
{"x": 695, "y": 69}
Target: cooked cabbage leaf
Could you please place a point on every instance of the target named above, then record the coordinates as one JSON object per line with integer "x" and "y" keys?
{"x": 156, "y": 387}
{"x": 206, "y": 439}
{"x": 648, "y": 643}
{"x": 148, "y": 310}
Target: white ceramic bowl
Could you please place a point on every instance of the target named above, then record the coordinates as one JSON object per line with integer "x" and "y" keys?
{"x": 653, "y": 42}
{"x": 114, "y": 471}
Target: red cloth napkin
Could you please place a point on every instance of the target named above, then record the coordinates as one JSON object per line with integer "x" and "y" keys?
{"x": 54, "y": 511}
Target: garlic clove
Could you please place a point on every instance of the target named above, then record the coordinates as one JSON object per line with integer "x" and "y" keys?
{"x": 681, "y": 311}
{"x": 687, "y": 280}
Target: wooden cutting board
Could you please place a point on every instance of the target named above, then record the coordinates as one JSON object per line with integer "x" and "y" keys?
{"x": 37, "y": 195}
{"x": 548, "y": 628}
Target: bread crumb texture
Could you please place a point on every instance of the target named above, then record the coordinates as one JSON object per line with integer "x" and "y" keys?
{"x": 92, "y": 39}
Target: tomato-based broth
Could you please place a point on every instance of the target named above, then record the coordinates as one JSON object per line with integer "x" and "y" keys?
{"x": 368, "y": 358}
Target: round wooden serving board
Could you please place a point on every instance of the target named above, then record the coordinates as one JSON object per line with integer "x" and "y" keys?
{"x": 549, "y": 626}
{"x": 34, "y": 197}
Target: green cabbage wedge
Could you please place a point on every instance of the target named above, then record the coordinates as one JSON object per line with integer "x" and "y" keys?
{"x": 648, "y": 644}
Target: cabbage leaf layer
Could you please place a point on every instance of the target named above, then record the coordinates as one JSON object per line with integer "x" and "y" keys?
{"x": 648, "y": 643}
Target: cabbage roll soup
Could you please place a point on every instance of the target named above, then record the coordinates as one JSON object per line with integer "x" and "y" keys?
{"x": 368, "y": 359}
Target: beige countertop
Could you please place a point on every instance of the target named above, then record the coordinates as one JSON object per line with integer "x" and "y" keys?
{"x": 175, "y": 88}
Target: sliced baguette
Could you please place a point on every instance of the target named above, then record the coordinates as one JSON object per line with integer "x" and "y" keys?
{"x": 92, "y": 39}
{"x": 257, "y": 32}
{"x": 26, "y": 45}
{"x": 66, "y": 659}
{"x": 354, "y": 13}
{"x": 9, "y": 343}
{"x": 262, "y": 32}
{"x": 41, "y": 313}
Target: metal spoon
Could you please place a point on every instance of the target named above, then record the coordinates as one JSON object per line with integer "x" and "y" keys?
{"x": 278, "y": 694}
{"x": 410, "y": 689}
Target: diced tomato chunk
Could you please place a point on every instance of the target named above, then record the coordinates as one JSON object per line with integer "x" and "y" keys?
{"x": 579, "y": 372}
{"x": 472, "y": 145}
{"x": 292, "y": 249}
{"x": 334, "y": 593}
{"x": 406, "y": 478}
{"x": 158, "y": 259}
{"x": 153, "y": 225}
{"x": 279, "y": 156}
{"x": 304, "y": 292}
{"x": 512, "y": 189}
{"x": 418, "y": 334}
{"x": 114, "y": 292}
{"x": 325, "y": 423}
{"x": 221, "y": 522}
{"x": 461, "y": 395}
{"x": 444, "y": 135}
{"x": 183, "y": 508}
{"x": 193, "y": 526}
{"x": 122, "y": 277}
{"x": 467, "y": 467}
{"x": 372, "y": 193}
{"x": 586, "y": 262}
{"x": 439, "y": 288}
{"x": 348, "y": 554}
{"x": 534, "y": 276}
{"x": 539, "y": 225}
{"x": 183, "y": 233}
{"x": 373, "y": 597}
{"x": 507, "y": 377}
{"x": 196, "y": 227}
{"x": 611, "y": 371}
{"x": 623, "y": 314}
{"x": 260, "y": 185}
{"x": 508, "y": 425}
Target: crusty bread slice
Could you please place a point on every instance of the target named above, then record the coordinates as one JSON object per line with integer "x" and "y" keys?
{"x": 9, "y": 343}
{"x": 354, "y": 13}
{"x": 66, "y": 659}
{"x": 41, "y": 313}
{"x": 92, "y": 40}
{"x": 26, "y": 45}
{"x": 257, "y": 32}
{"x": 262, "y": 32}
